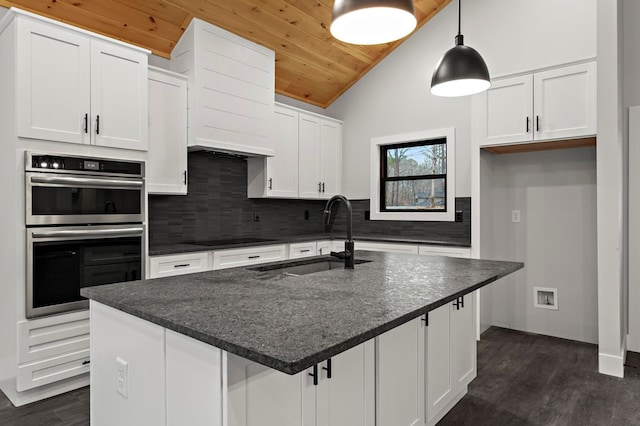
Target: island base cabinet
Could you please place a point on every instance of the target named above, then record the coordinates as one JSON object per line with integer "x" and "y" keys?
{"x": 127, "y": 366}
{"x": 343, "y": 395}
{"x": 400, "y": 375}
{"x": 193, "y": 381}
{"x": 450, "y": 355}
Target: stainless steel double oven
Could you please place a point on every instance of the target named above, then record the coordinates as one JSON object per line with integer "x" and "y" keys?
{"x": 84, "y": 225}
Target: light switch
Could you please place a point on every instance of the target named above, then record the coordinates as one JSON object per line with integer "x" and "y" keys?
{"x": 122, "y": 379}
{"x": 515, "y": 215}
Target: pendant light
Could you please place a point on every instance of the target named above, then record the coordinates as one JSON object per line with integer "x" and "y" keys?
{"x": 461, "y": 70}
{"x": 372, "y": 21}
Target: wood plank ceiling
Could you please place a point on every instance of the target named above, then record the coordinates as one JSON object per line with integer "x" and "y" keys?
{"x": 311, "y": 65}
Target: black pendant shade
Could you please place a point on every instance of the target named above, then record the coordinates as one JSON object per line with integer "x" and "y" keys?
{"x": 372, "y": 21}
{"x": 461, "y": 71}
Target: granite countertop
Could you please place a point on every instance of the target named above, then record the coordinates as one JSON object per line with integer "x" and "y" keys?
{"x": 187, "y": 247}
{"x": 291, "y": 323}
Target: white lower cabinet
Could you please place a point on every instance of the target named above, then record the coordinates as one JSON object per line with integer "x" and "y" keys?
{"x": 445, "y": 251}
{"x": 450, "y": 355}
{"x": 258, "y": 395}
{"x": 52, "y": 348}
{"x": 400, "y": 377}
{"x": 387, "y": 247}
{"x": 232, "y": 258}
{"x": 298, "y": 250}
{"x": 178, "y": 264}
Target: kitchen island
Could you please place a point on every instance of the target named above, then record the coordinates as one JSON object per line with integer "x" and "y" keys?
{"x": 239, "y": 345}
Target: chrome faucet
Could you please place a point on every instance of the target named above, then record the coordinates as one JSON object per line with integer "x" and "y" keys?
{"x": 348, "y": 244}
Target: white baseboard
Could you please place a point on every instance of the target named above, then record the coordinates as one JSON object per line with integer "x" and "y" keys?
{"x": 8, "y": 387}
{"x": 613, "y": 365}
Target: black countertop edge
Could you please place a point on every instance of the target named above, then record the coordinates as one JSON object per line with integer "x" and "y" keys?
{"x": 177, "y": 248}
{"x": 295, "y": 366}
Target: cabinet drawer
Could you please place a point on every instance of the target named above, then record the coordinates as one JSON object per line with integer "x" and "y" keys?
{"x": 387, "y": 247}
{"x": 178, "y": 264}
{"x": 445, "y": 251}
{"x": 298, "y": 250}
{"x": 52, "y": 370}
{"x": 44, "y": 338}
{"x": 248, "y": 256}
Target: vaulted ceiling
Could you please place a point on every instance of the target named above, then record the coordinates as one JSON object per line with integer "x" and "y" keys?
{"x": 311, "y": 65}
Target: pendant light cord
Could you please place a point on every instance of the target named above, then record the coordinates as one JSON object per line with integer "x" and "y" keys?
{"x": 459, "y": 13}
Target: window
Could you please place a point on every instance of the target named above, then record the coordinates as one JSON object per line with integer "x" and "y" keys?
{"x": 413, "y": 176}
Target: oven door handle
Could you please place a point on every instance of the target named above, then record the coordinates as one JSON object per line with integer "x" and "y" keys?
{"x": 82, "y": 233}
{"x": 90, "y": 182}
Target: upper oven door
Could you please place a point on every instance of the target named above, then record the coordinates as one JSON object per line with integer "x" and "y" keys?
{"x": 55, "y": 199}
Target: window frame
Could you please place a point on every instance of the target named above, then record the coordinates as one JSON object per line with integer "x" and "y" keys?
{"x": 376, "y": 165}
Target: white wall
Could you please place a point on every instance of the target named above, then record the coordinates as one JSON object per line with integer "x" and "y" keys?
{"x": 513, "y": 36}
{"x": 555, "y": 192}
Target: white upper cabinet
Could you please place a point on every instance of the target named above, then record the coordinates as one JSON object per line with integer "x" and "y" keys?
{"x": 231, "y": 90}
{"x": 277, "y": 176}
{"x": 320, "y": 156}
{"x": 72, "y": 87}
{"x": 555, "y": 104}
{"x": 307, "y": 158}
{"x": 167, "y": 157}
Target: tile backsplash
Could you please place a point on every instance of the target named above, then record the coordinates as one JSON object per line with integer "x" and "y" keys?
{"x": 217, "y": 207}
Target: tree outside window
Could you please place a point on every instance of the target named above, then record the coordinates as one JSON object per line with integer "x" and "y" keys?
{"x": 413, "y": 176}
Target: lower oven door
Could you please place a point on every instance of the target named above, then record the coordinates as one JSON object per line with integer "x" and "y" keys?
{"x": 62, "y": 260}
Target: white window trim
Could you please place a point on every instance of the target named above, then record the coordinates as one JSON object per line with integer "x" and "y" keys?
{"x": 448, "y": 216}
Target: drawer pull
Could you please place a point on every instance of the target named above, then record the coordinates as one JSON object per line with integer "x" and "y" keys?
{"x": 315, "y": 375}
{"x": 85, "y": 362}
{"x": 254, "y": 257}
{"x": 182, "y": 265}
{"x": 305, "y": 251}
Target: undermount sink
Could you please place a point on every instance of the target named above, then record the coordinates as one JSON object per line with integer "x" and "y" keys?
{"x": 303, "y": 267}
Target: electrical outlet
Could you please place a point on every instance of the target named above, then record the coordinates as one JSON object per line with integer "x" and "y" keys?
{"x": 515, "y": 216}
{"x": 122, "y": 383}
{"x": 459, "y": 216}
{"x": 256, "y": 218}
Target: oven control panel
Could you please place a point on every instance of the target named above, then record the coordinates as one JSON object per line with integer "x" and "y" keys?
{"x": 71, "y": 164}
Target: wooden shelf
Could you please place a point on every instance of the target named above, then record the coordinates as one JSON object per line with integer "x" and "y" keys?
{"x": 541, "y": 146}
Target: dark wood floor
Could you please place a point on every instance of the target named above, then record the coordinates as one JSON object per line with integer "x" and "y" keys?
{"x": 523, "y": 379}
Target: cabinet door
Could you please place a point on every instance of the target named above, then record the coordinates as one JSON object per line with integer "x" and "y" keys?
{"x": 298, "y": 250}
{"x": 282, "y": 168}
{"x": 52, "y": 93}
{"x": 119, "y": 99}
{"x": 309, "y": 156}
{"x": 167, "y": 157}
{"x": 565, "y": 102}
{"x": 347, "y": 397}
{"x": 505, "y": 111}
{"x": 330, "y": 158}
{"x": 400, "y": 375}
{"x": 463, "y": 341}
{"x": 260, "y": 396}
{"x": 440, "y": 386}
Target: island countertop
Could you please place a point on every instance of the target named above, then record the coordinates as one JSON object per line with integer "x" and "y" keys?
{"x": 290, "y": 323}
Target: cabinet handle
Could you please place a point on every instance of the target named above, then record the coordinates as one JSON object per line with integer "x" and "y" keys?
{"x": 319, "y": 186}
{"x": 254, "y": 257}
{"x": 85, "y": 362}
{"x": 182, "y": 265}
{"x": 328, "y": 368}
{"x": 86, "y": 123}
{"x": 270, "y": 183}
{"x": 461, "y": 302}
{"x": 97, "y": 124}
{"x": 323, "y": 187}
{"x": 315, "y": 375}
{"x": 537, "y": 123}
{"x": 184, "y": 177}
{"x": 527, "y": 124}
{"x": 425, "y": 319}
{"x": 305, "y": 251}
